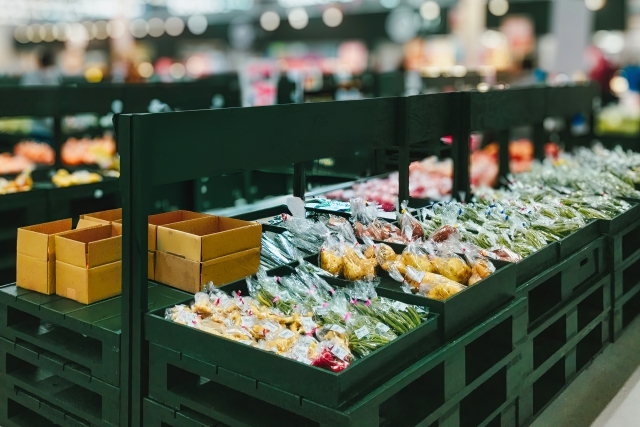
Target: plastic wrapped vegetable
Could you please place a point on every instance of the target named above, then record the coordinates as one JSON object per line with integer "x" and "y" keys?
{"x": 431, "y": 285}
{"x": 452, "y": 267}
{"x": 415, "y": 255}
{"x": 411, "y": 227}
{"x": 357, "y": 266}
{"x": 481, "y": 269}
{"x": 332, "y": 256}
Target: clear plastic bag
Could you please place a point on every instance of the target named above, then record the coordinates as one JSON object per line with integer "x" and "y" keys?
{"x": 411, "y": 227}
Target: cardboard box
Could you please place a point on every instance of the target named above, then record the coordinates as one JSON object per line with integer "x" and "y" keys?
{"x": 205, "y": 239}
{"x": 166, "y": 219}
{"x": 104, "y": 217}
{"x": 89, "y": 263}
{"x": 36, "y": 256}
{"x": 89, "y": 285}
{"x": 151, "y": 265}
{"x": 191, "y": 276}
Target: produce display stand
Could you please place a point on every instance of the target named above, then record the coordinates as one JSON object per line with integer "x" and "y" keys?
{"x": 458, "y": 374}
{"x": 502, "y": 369}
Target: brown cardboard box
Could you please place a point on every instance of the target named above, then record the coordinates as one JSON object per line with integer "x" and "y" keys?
{"x": 89, "y": 263}
{"x": 168, "y": 218}
{"x": 205, "y": 239}
{"x": 151, "y": 265}
{"x": 36, "y": 256}
{"x": 191, "y": 276}
{"x": 104, "y": 217}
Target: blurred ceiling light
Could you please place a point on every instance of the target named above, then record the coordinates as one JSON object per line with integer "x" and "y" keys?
{"x": 492, "y": 39}
{"x": 93, "y": 75}
{"x": 60, "y": 31}
{"x": 332, "y": 17}
{"x": 430, "y": 71}
{"x": 174, "y": 26}
{"x": 156, "y": 27}
{"x": 33, "y": 33}
{"x": 145, "y": 69}
{"x": 498, "y": 7}
{"x": 197, "y": 24}
{"x": 116, "y": 29}
{"x": 20, "y": 34}
{"x": 595, "y": 5}
{"x": 459, "y": 71}
{"x": 47, "y": 32}
{"x": 403, "y": 24}
{"x": 139, "y": 28}
{"x": 77, "y": 33}
{"x": 611, "y": 42}
{"x": 196, "y": 66}
{"x": 270, "y": 20}
{"x": 101, "y": 30}
{"x": 390, "y": 4}
{"x": 483, "y": 87}
{"x": 298, "y": 18}
{"x": 177, "y": 70}
{"x": 92, "y": 29}
{"x": 430, "y": 10}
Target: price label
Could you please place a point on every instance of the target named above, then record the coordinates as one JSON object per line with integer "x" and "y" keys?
{"x": 270, "y": 326}
{"x": 286, "y": 334}
{"x": 225, "y": 302}
{"x": 400, "y": 306}
{"x": 247, "y": 321}
{"x": 382, "y": 328}
{"x": 362, "y": 332}
{"x": 247, "y": 342}
{"x": 337, "y": 328}
{"x": 301, "y": 352}
{"x": 228, "y": 322}
{"x": 308, "y": 324}
{"x": 320, "y": 310}
{"x": 339, "y": 352}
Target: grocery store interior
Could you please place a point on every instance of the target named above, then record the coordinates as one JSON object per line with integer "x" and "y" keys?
{"x": 451, "y": 187}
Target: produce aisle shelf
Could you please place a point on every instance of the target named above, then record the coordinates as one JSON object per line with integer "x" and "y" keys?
{"x": 67, "y": 364}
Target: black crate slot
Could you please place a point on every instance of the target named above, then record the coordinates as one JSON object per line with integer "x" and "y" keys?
{"x": 630, "y": 310}
{"x": 59, "y": 339}
{"x": 630, "y": 243}
{"x": 548, "y": 385}
{"x": 222, "y": 400}
{"x": 590, "y": 308}
{"x": 21, "y": 416}
{"x": 494, "y": 422}
{"x": 416, "y": 401}
{"x": 630, "y": 277}
{"x": 549, "y": 341}
{"x": 484, "y": 400}
{"x": 61, "y": 391}
{"x": 588, "y": 347}
{"x": 545, "y": 297}
{"x": 488, "y": 349}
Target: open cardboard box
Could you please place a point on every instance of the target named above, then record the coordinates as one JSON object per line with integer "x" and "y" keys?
{"x": 205, "y": 239}
{"x": 191, "y": 276}
{"x": 166, "y": 219}
{"x": 89, "y": 263}
{"x": 103, "y": 217}
{"x": 36, "y": 256}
